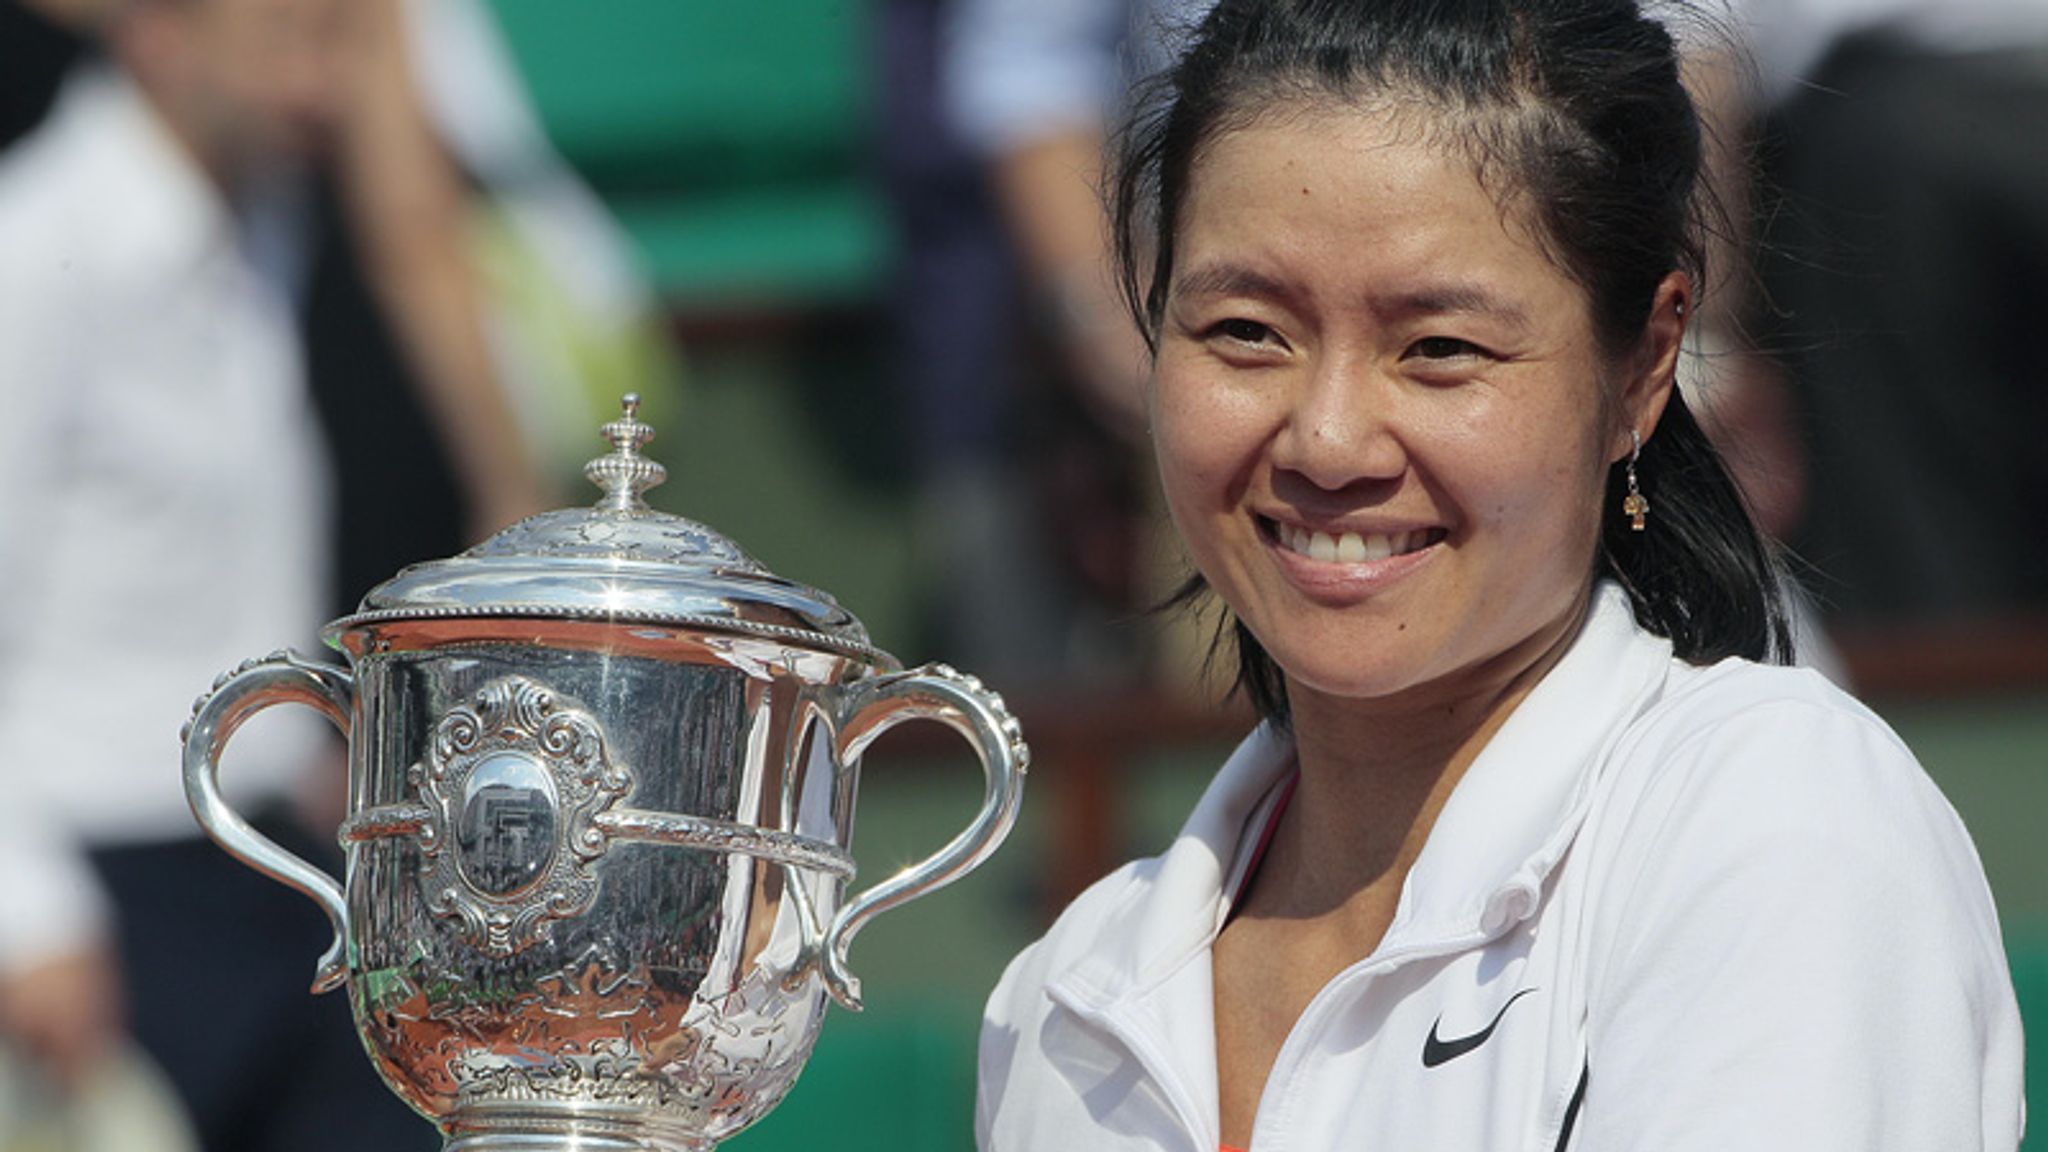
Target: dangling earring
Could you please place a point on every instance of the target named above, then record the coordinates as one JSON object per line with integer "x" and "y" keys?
{"x": 1635, "y": 505}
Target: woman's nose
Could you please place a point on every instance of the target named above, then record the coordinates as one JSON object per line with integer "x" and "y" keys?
{"x": 1341, "y": 427}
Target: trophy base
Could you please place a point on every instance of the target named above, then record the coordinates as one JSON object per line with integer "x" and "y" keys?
{"x": 568, "y": 1142}
{"x": 528, "y": 1132}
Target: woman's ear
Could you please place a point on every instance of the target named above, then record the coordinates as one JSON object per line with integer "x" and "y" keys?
{"x": 1653, "y": 370}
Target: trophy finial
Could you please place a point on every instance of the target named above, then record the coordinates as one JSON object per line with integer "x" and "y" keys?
{"x": 625, "y": 474}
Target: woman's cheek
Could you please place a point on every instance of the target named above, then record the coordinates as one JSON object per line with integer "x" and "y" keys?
{"x": 1195, "y": 429}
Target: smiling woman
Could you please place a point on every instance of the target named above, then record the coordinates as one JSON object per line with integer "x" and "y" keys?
{"x": 1363, "y": 352}
{"x": 1415, "y": 276}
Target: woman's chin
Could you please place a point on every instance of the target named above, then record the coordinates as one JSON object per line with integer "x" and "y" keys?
{"x": 1350, "y": 680}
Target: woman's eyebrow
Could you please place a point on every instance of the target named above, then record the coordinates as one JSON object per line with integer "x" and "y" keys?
{"x": 1440, "y": 299}
{"x": 1227, "y": 280}
{"x": 1223, "y": 279}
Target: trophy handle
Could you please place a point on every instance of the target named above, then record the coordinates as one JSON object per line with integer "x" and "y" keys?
{"x": 871, "y": 707}
{"x": 280, "y": 678}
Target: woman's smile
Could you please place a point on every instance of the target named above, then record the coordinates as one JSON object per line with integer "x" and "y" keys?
{"x": 1332, "y": 562}
{"x": 1382, "y": 414}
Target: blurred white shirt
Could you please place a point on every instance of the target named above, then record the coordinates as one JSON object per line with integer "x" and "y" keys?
{"x": 1017, "y": 71}
{"x": 163, "y": 497}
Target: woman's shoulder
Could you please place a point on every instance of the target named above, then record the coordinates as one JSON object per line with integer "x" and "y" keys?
{"x": 1779, "y": 777}
{"x": 1711, "y": 692}
{"x": 1769, "y": 876}
{"x": 1784, "y": 729}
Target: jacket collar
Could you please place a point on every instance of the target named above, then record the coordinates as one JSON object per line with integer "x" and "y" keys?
{"x": 1177, "y": 906}
{"x": 1509, "y": 821}
{"x": 1504, "y": 828}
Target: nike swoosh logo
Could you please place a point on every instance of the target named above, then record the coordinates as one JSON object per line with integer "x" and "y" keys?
{"x": 1437, "y": 1051}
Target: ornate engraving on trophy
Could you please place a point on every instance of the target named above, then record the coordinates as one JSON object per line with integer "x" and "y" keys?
{"x": 513, "y": 783}
{"x": 569, "y": 534}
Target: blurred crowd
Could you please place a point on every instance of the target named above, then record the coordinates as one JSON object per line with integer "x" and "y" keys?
{"x": 1881, "y": 220}
{"x": 255, "y": 359}
{"x": 266, "y": 335}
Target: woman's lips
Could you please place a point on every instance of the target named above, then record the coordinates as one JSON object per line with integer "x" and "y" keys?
{"x": 1339, "y": 568}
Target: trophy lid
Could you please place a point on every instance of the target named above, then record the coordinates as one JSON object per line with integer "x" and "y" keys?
{"x": 618, "y": 561}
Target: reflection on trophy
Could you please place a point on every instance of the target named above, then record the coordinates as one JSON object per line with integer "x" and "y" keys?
{"x": 602, "y": 771}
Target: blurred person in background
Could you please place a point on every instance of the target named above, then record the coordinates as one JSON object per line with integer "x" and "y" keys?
{"x": 394, "y": 313}
{"x": 1019, "y": 375}
{"x": 955, "y": 361}
{"x": 166, "y": 510}
{"x": 39, "y": 41}
{"x": 435, "y": 386}
{"x": 572, "y": 320}
{"x": 1032, "y": 86}
{"x": 1903, "y": 227}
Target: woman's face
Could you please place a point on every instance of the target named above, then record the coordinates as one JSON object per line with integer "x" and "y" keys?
{"x": 1382, "y": 417}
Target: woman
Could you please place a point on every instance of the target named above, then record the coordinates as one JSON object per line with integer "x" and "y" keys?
{"x": 1534, "y": 850}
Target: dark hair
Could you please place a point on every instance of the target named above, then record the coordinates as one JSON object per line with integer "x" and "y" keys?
{"x": 1574, "y": 108}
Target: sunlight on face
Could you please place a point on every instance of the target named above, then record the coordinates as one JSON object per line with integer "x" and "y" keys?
{"x": 1381, "y": 413}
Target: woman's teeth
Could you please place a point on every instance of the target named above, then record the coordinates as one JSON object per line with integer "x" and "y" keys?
{"x": 1349, "y": 547}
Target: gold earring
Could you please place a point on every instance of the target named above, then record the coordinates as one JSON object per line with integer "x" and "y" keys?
{"x": 1635, "y": 505}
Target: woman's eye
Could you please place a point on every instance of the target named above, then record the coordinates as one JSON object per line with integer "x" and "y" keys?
{"x": 1442, "y": 348}
{"x": 1242, "y": 331}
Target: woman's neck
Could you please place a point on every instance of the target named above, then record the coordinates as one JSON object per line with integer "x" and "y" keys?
{"x": 1376, "y": 774}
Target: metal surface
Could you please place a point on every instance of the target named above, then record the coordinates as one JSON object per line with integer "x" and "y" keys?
{"x": 280, "y": 678}
{"x": 617, "y": 561}
{"x": 597, "y": 869}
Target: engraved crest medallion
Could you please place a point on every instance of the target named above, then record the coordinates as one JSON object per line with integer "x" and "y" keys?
{"x": 513, "y": 784}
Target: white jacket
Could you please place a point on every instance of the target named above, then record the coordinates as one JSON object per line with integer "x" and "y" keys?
{"x": 1667, "y": 908}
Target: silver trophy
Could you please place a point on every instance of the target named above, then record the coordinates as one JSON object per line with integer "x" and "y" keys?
{"x": 602, "y": 771}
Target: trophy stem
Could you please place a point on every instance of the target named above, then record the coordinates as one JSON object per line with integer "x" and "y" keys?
{"x": 570, "y": 1142}
{"x": 568, "y": 1133}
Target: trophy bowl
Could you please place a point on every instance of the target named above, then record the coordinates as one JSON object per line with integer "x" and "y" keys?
{"x": 602, "y": 771}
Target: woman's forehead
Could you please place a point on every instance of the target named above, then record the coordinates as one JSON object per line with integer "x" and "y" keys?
{"x": 1382, "y": 185}
{"x": 1357, "y": 176}
{"x": 1389, "y": 130}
